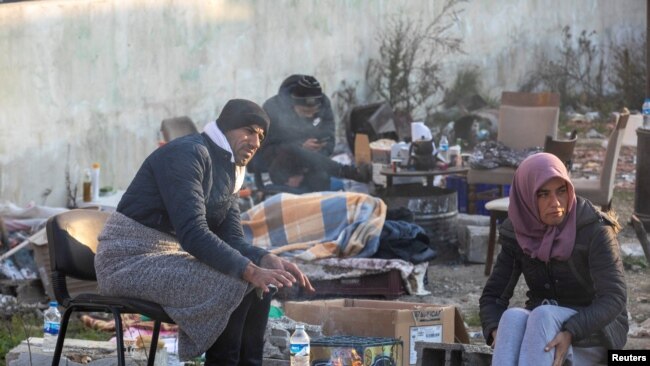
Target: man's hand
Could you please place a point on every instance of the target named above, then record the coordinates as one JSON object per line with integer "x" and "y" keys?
{"x": 272, "y": 261}
{"x": 561, "y": 343}
{"x": 261, "y": 277}
{"x": 494, "y": 339}
{"x": 313, "y": 144}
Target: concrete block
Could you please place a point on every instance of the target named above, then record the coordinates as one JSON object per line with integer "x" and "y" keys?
{"x": 452, "y": 354}
{"x": 476, "y": 220}
{"x": 29, "y": 352}
{"x": 473, "y": 243}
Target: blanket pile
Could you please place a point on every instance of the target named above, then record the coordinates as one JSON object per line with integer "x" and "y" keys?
{"x": 317, "y": 225}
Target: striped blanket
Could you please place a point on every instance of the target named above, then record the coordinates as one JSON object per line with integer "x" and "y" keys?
{"x": 317, "y": 225}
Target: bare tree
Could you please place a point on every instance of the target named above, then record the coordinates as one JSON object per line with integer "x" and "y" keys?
{"x": 407, "y": 72}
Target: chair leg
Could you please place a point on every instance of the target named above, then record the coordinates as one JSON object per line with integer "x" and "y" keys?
{"x": 58, "y": 350}
{"x": 119, "y": 336}
{"x": 154, "y": 343}
{"x": 491, "y": 243}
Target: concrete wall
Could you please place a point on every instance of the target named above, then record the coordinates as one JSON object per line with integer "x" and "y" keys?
{"x": 90, "y": 80}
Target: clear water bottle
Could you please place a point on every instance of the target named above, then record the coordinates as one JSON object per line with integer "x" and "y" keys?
{"x": 51, "y": 326}
{"x": 444, "y": 148}
{"x": 299, "y": 347}
{"x": 646, "y": 113}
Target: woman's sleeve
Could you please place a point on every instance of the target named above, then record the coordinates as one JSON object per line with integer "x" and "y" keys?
{"x": 499, "y": 289}
{"x": 180, "y": 179}
{"x": 606, "y": 270}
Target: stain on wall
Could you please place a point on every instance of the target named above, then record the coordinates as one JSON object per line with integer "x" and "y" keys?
{"x": 86, "y": 81}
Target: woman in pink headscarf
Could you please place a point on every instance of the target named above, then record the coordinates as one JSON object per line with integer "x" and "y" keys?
{"x": 569, "y": 256}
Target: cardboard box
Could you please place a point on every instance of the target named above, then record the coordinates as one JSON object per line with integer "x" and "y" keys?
{"x": 409, "y": 322}
{"x": 352, "y": 350}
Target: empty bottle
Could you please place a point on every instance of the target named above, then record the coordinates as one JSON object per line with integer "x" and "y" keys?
{"x": 299, "y": 347}
{"x": 51, "y": 326}
{"x": 444, "y": 148}
{"x": 95, "y": 181}
{"x": 87, "y": 186}
{"x": 646, "y": 113}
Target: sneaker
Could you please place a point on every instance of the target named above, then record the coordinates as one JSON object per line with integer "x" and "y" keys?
{"x": 364, "y": 172}
{"x": 361, "y": 173}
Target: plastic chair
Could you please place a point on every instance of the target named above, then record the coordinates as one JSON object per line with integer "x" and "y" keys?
{"x": 600, "y": 191}
{"x": 525, "y": 119}
{"x": 72, "y": 242}
{"x": 172, "y": 128}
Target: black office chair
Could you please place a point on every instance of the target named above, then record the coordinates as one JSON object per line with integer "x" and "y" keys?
{"x": 72, "y": 242}
{"x": 172, "y": 128}
{"x": 563, "y": 149}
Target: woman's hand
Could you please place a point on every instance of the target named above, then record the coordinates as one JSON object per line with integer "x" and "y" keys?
{"x": 561, "y": 343}
{"x": 272, "y": 261}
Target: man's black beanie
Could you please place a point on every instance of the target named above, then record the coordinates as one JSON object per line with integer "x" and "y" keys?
{"x": 238, "y": 113}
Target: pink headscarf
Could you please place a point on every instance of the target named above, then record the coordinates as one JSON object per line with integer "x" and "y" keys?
{"x": 536, "y": 238}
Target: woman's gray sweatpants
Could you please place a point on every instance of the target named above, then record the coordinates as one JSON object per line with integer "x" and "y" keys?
{"x": 523, "y": 334}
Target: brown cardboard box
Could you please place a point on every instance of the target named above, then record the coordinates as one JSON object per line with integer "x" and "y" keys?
{"x": 409, "y": 322}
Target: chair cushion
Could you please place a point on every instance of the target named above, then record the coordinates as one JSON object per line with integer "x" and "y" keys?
{"x": 525, "y": 127}
{"x": 592, "y": 190}
{"x": 125, "y": 304}
{"x": 499, "y": 204}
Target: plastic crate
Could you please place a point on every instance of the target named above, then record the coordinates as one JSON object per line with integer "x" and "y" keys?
{"x": 387, "y": 284}
{"x": 488, "y": 191}
{"x": 353, "y": 350}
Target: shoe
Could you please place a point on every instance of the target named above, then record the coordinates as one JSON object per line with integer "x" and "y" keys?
{"x": 361, "y": 173}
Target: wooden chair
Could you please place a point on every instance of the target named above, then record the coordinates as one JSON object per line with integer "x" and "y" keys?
{"x": 563, "y": 149}
{"x": 642, "y": 235}
{"x": 525, "y": 119}
{"x": 601, "y": 190}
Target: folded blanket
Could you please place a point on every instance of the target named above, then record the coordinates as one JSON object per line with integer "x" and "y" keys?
{"x": 317, "y": 225}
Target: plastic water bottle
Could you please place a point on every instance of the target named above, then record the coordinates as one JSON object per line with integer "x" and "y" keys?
{"x": 51, "y": 326}
{"x": 299, "y": 347}
{"x": 646, "y": 113}
{"x": 95, "y": 181}
{"x": 444, "y": 148}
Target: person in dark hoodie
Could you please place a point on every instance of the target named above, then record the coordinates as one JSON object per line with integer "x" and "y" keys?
{"x": 303, "y": 136}
{"x": 569, "y": 255}
{"x": 176, "y": 239}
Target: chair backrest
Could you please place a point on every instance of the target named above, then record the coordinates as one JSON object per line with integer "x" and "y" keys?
{"x": 72, "y": 242}
{"x": 563, "y": 149}
{"x": 176, "y": 127}
{"x": 526, "y": 118}
{"x": 608, "y": 175}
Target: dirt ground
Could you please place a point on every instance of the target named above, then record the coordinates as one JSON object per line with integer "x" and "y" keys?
{"x": 451, "y": 282}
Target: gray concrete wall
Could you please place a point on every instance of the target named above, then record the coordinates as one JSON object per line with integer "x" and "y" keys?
{"x": 90, "y": 80}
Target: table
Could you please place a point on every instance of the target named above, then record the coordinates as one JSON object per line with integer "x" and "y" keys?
{"x": 428, "y": 174}
{"x": 108, "y": 202}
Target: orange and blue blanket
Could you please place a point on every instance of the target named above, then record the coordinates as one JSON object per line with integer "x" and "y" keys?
{"x": 317, "y": 225}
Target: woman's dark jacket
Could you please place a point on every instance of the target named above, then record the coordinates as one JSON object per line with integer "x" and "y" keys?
{"x": 591, "y": 281}
{"x": 185, "y": 188}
